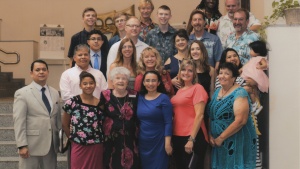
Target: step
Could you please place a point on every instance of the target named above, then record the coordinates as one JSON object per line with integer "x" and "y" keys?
{"x": 13, "y": 162}
{"x": 6, "y": 120}
{"x": 9, "y": 149}
{"x": 7, "y": 134}
{"x": 6, "y": 106}
{"x": 6, "y": 76}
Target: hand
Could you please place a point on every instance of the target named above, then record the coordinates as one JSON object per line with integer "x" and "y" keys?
{"x": 176, "y": 82}
{"x": 189, "y": 147}
{"x": 250, "y": 82}
{"x": 168, "y": 149}
{"x": 219, "y": 141}
{"x": 212, "y": 141}
{"x": 23, "y": 152}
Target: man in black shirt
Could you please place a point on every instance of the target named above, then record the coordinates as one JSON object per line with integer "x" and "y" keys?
{"x": 89, "y": 17}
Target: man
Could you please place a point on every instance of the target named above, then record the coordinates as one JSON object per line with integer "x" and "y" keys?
{"x": 37, "y": 119}
{"x": 225, "y": 27}
{"x": 89, "y": 17}
{"x": 146, "y": 8}
{"x": 211, "y": 42}
{"x": 119, "y": 20}
{"x": 161, "y": 36}
{"x": 242, "y": 37}
{"x": 132, "y": 28}
{"x": 69, "y": 81}
{"x": 99, "y": 56}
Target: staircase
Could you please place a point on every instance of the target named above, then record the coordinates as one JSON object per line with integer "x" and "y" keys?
{"x": 8, "y": 151}
{"x": 8, "y": 85}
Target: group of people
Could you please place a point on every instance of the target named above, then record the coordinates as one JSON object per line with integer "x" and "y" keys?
{"x": 151, "y": 96}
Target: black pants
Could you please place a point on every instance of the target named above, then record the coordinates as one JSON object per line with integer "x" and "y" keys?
{"x": 182, "y": 158}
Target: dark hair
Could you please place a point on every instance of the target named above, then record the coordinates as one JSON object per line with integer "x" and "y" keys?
{"x": 38, "y": 61}
{"x": 215, "y": 10}
{"x": 194, "y": 12}
{"x": 231, "y": 67}
{"x": 85, "y": 74}
{"x": 165, "y": 7}
{"x": 224, "y": 54}
{"x": 160, "y": 87}
{"x": 96, "y": 32}
{"x": 259, "y": 47}
{"x": 181, "y": 33}
{"x": 245, "y": 11}
{"x": 87, "y": 10}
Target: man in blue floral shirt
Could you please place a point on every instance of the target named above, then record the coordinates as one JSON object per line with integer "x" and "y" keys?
{"x": 161, "y": 36}
{"x": 242, "y": 37}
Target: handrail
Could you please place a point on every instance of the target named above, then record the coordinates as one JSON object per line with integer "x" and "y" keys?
{"x": 10, "y": 63}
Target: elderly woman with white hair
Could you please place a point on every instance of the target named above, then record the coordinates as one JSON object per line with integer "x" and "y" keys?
{"x": 120, "y": 124}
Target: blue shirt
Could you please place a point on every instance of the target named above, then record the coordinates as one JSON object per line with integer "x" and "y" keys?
{"x": 213, "y": 46}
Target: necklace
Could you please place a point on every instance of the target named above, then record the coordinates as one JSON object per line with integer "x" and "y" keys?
{"x": 124, "y": 98}
{"x": 221, "y": 97}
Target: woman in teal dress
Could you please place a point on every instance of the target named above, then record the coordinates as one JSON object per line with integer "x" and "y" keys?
{"x": 232, "y": 133}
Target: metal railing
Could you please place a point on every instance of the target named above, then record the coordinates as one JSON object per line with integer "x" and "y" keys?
{"x": 9, "y": 53}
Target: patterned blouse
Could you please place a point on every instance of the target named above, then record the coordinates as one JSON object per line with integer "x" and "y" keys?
{"x": 86, "y": 121}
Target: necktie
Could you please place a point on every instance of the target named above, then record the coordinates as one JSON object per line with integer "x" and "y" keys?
{"x": 96, "y": 63}
{"x": 45, "y": 100}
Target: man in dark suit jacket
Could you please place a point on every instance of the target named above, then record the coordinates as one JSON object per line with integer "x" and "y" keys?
{"x": 98, "y": 52}
{"x": 37, "y": 119}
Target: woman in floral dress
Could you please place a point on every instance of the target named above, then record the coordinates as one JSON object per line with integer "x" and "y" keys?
{"x": 120, "y": 125}
{"x": 82, "y": 123}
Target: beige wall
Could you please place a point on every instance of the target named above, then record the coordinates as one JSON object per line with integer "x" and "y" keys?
{"x": 21, "y": 19}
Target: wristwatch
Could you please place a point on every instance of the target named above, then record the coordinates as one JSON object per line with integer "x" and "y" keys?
{"x": 191, "y": 139}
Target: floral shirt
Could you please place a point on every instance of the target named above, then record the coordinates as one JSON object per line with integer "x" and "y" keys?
{"x": 163, "y": 42}
{"x": 120, "y": 130}
{"x": 241, "y": 45}
{"x": 86, "y": 121}
{"x": 145, "y": 28}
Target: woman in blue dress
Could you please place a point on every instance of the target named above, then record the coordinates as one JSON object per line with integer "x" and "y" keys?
{"x": 154, "y": 111}
{"x": 232, "y": 132}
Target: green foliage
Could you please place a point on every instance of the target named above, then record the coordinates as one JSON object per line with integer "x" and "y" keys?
{"x": 278, "y": 12}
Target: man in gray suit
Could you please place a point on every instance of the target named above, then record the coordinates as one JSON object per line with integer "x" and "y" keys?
{"x": 37, "y": 118}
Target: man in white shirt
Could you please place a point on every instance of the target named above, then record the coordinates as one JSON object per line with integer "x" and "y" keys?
{"x": 132, "y": 28}
{"x": 225, "y": 26}
{"x": 69, "y": 81}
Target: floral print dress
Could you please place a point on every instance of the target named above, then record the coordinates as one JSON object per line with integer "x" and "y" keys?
{"x": 120, "y": 130}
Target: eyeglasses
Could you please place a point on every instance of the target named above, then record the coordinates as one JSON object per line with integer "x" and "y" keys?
{"x": 96, "y": 39}
{"x": 134, "y": 26}
{"x": 120, "y": 20}
{"x": 128, "y": 47}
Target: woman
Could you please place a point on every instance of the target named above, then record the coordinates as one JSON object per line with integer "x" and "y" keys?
{"x": 155, "y": 114}
{"x": 120, "y": 122}
{"x": 82, "y": 123}
{"x": 211, "y": 10}
{"x": 126, "y": 57}
{"x": 231, "y": 56}
{"x": 232, "y": 131}
{"x": 206, "y": 73}
{"x": 150, "y": 60}
{"x": 189, "y": 131}
{"x": 146, "y": 8}
{"x": 172, "y": 64}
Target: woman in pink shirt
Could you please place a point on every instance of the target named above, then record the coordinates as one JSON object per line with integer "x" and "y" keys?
{"x": 190, "y": 138}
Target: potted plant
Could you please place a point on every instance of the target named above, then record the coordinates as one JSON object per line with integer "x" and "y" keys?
{"x": 288, "y": 9}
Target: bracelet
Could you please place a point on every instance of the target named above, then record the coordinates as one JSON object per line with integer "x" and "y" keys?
{"x": 191, "y": 139}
